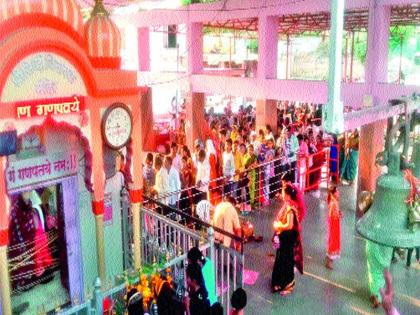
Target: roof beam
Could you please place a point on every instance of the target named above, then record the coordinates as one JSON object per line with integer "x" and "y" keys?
{"x": 294, "y": 90}
{"x": 398, "y": 2}
{"x": 234, "y": 9}
{"x": 372, "y": 114}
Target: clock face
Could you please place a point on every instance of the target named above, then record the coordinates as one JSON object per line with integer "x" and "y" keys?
{"x": 117, "y": 126}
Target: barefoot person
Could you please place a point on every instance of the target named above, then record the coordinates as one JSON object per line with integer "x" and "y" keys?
{"x": 387, "y": 294}
{"x": 334, "y": 218}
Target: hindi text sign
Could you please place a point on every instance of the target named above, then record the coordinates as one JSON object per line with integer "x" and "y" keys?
{"x": 26, "y": 172}
{"x": 58, "y": 106}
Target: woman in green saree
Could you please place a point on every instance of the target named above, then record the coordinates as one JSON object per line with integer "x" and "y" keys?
{"x": 348, "y": 169}
{"x": 251, "y": 162}
{"x": 378, "y": 259}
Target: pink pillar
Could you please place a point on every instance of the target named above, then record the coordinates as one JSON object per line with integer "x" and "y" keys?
{"x": 266, "y": 114}
{"x": 196, "y": 125}
{"x": 371, "y": 143}
{"x": 4, "y": 205}
{"x": 195, "y": 47}
{"x": 143, "y": 37}
{"x": 376, "y": 70}
{"x": 146, "y": 118}
{"x": 267, "y": 47}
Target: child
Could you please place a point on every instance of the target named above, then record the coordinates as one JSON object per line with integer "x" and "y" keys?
{"x": 334, "y": 218}
{"x": 238, "y": 302}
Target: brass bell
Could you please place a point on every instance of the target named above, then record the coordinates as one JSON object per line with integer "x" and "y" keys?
{"x": 386, "y": 222}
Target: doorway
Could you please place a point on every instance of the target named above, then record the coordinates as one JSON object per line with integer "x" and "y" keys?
{"x": 44, "y": 245}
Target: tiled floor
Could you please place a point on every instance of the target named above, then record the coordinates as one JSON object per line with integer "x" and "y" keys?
{"x": 44, "y": 297}
{"x": 343, "y": 290}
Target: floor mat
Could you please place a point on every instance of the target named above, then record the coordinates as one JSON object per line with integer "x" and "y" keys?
{"x": 250, "y": 277}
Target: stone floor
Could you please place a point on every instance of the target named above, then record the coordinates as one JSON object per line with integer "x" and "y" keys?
{"x": 42, "y": 298}
{"x": 343, "y": 290}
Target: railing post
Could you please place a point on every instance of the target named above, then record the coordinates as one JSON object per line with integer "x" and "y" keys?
{"x": 308, "y": 171}
{"x": 125, "y": 231}
{"x": 210, "y": 232}
{"x": 98, "y": 297}
{"x": 212, "y": 252}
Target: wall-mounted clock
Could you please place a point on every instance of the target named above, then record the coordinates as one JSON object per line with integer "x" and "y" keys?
{"x": 117, "y": 125}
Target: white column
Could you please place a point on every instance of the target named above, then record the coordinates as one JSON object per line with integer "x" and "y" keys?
{"x": 376, "y": 69}
{"x": 333, "y": 115}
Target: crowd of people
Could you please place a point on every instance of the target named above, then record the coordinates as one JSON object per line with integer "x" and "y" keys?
{"x": 240, "y": 167}
{"x": 240, "y": 159}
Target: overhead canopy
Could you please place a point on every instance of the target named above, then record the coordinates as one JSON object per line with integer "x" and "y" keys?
{"x": 355, "y": 20}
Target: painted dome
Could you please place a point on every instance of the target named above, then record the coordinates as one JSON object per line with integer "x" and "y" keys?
{"x": 65, "y": 10}
{"x": 102, "y": 35}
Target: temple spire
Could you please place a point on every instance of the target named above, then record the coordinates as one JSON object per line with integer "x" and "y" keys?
{"x": 99, "y": 9}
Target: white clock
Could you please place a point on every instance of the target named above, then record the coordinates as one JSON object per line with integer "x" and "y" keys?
{"x": 117, "y": 125}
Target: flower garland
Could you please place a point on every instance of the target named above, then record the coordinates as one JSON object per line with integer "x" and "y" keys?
{"x": 414, "y": 182}
{"x": 149, "y": 285}
{"x": 413, "y": 200}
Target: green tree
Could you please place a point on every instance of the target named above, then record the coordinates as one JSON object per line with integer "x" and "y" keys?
{"x": 401, "y": 35}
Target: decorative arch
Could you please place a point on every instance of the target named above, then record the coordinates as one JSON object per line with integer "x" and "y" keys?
{"x": 82, "y": 66}
{"x": 84, "y": 143}
{"x": 30, "y": 20}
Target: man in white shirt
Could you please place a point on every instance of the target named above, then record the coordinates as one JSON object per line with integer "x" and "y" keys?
{"x": 197, "y": 148}
{"x": 174, "y": 182}
{"x": 161, "y": 181}
{"x": 202, "y": 178}
{"x": 228, "y": 167}
{"x": 176, "y": 157}
{"x": 255, "y": 142}
{"x": 292, "y": 146}
{"x": 203, "y": 210}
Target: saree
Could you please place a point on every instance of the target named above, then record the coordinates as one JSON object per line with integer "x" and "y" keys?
{"x": 42, "y": 258}
{"x": 21, "y": 246}
{"x": 252, "y": 176}
{"x": 334, "y": 233}
{"x": 289, "y": 254}
{"x": 378, "y": 258}
{"x": 348, "y": 169}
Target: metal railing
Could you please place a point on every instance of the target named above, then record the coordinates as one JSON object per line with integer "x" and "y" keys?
{"x": 169, "y": 235}
{"x": 316, "y": 168}
{"x": 267, "y": 180}
{"x": 82, "y": 309}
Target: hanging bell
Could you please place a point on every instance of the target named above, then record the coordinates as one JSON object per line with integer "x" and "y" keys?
{"x": 386, "y": 222}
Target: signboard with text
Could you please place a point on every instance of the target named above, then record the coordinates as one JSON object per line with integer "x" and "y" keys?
{"x": 33, "y": 171}
{"x": 55, "y": 106}
{"x": 42, "y": 75}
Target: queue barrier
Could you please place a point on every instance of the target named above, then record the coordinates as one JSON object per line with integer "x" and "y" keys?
{"x": 319, "y": 167}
